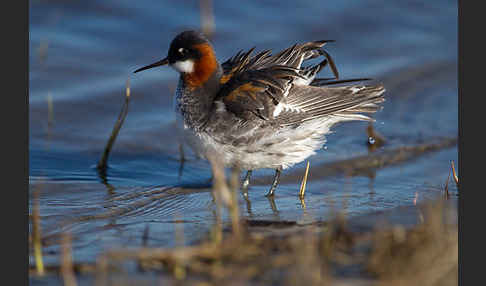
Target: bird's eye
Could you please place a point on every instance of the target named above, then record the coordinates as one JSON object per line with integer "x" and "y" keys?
{"x": 182, "y": 51}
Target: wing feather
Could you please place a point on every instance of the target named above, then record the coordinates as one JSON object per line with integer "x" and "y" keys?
{"x": 307, "y": 102}
{"x": 277, "y": 87}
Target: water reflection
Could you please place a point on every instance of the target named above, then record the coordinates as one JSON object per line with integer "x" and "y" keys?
{"x": 273, "y": 206}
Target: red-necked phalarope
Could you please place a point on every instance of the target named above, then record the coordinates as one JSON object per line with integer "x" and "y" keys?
{"x": 263, "y": 110}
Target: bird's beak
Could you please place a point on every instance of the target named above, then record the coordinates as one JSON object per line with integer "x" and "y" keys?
{"x": 156, "y": 64}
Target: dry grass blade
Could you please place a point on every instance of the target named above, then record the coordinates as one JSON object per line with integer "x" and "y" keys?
{"x": 220, "y": 194}
{"x": 309, "y": 255}
{"x": 302, "y": 203}
{"x": 207, "y": 17}
{"x": 233, "y": 207}
{"x": 454, "y": 175}
{"x": 427, "y": 252}
{"x": 220, "y": 187}
{"x": 102, "y": 164}
{"x": 179, "y": 269}
{"x": 226, "y": 195}
{"x": 446, "y": 188}
{"x": 50, "y": 110}
{"x": 67, "y": 271}
{"x": 37, "y": 234}
{"x": 102, "y": 264}
{"x": 304, "y": 182}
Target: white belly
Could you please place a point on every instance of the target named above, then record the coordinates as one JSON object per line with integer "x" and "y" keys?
{"x": 282, "y": 149}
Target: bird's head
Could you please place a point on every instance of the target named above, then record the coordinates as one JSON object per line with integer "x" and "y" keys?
{"x": 191, "y": 54}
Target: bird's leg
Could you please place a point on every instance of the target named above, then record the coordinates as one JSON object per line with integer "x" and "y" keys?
{"x": 246, "y": 183}
{"x": 276, "y": 180}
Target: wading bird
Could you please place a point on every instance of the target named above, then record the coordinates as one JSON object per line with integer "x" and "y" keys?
{"x": 263, "y": 110}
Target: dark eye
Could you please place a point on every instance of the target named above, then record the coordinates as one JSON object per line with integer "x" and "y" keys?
{"x": 182, "y": 51}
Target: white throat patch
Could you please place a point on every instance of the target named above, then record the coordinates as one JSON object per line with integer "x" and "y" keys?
{"x": 186, "y": 66}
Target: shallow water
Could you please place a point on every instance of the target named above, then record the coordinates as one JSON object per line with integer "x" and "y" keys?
{"x": 81, "y": 54}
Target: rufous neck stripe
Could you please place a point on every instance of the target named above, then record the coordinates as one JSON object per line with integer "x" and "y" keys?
{"x": 204, "y": 67}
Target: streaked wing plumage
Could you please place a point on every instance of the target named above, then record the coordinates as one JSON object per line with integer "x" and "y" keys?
{"x": 279, "y": 88}
{"x": 257, "y": 92}
{"x": 305, "y": 103}
{"x": 293, "y": 56}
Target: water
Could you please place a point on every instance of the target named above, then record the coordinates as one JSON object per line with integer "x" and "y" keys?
{"x": 82, "y": 53}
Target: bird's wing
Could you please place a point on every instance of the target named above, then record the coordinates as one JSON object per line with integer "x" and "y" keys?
{"x": 306, "y": 103}
{"x": 257, "y": 92}
{"x": 277, "y": 87}
{"x": 293, "y": 57}
{"x": 255, "y": 85}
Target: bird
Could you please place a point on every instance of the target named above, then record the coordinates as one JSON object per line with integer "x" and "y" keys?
{"x": 262, "y": 110}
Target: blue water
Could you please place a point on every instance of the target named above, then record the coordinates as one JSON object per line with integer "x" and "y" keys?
{"x": 83, "y": 52}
